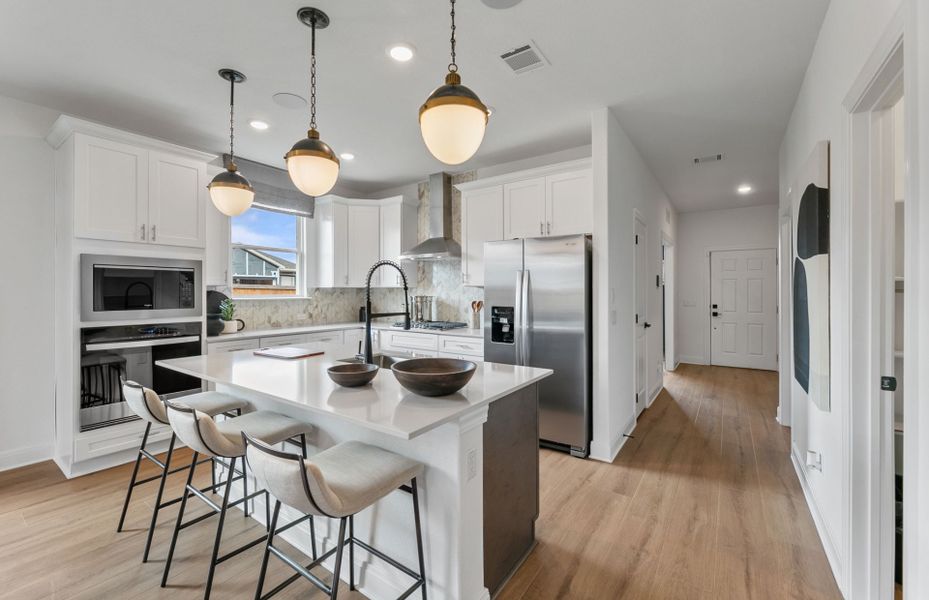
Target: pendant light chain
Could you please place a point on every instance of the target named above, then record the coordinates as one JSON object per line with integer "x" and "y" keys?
{"x": 232, "y": 119}
{"x": 453, "y": 66}
{"x": 313, "y": 73}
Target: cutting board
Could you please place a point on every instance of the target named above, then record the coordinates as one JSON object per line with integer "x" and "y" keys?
{"x": 287, "y": 352}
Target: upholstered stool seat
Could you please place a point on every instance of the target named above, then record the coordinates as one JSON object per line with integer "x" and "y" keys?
{"x": 225, "y": 440}
{"x": 336, "y": 483}
{"x": 151, "y": 408}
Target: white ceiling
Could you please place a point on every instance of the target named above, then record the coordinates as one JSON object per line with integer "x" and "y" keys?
{"x": 684, "y": 78}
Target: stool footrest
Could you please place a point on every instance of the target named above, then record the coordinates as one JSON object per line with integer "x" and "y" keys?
{"x": 301, "y": 571}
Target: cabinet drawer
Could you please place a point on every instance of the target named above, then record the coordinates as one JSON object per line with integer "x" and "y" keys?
{"x": 276, "y": 341}
{"x": 326, "y": 337}
{"x": 462, "y": 345}
{"x": 458, "y": 356}
{"x": 110, "y": 440}
{"x": 233, "y": 346}
{"x": 423, "y": 354}
{"x": 409, "y": 341}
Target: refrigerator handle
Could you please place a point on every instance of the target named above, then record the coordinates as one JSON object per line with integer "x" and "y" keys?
{"x": 518, "y": 318}
{"x": 524, "y": 325}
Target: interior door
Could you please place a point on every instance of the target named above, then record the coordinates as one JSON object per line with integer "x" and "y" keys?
{"x": 641, "y": 314}
{"x": 743, "y": 308}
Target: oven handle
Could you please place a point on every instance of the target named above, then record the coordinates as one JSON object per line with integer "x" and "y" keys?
{"x": 142, "y": 343}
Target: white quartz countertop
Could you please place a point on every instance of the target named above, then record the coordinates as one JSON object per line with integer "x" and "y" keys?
{"x": 257, "y": 333}
{"x": 384, "y": 405}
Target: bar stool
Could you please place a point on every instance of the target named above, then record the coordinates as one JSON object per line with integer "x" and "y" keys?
{"x": 224, "y": 440}
{"x": 151, "y": 409}
{"x": 337, "y": 483}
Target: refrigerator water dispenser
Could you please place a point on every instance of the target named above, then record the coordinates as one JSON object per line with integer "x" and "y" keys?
{"x": 501, "y": 324}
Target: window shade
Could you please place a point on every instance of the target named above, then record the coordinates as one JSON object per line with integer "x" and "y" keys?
{"x": 274, "y": 190}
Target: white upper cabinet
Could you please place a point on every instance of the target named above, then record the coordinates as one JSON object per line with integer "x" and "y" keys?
{"x": 364, "y": 243}
{"x": 569, "y": 203}
{"x": 481, "y": 221}
{"x": 524, "y": 212}
{"x": 218, "y": 231}
{"x": 348, "y": 235}
{"x": 110, "y": 190}
{"x": 129, "y": 188}
{"x": 399, "y": 224}
{"x": 177, "y": 200}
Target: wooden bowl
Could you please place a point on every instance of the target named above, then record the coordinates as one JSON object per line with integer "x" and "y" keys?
{"x": 434, "y": 376}
{"x": 352, "y": 374}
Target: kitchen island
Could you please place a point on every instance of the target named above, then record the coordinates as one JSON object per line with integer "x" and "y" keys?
{"x": 480, "y": 489}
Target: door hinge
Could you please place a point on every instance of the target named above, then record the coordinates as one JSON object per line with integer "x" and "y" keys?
{"x": 637, "y": 318}
{"x": 888, "y": 384}
{"x": 637, "y": 398}
{"x": 637, "y": 239}
{"x": 657, "y": 280}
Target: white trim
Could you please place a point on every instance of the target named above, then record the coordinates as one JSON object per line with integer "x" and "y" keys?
{"x": 65, "y": 126}
{"x": 828, "y": 545}
{"x": 691, "y": 359}
{"x": 598, "y": 451}
{"x": 564, "y": 167}
{"x": 21, "y": 457}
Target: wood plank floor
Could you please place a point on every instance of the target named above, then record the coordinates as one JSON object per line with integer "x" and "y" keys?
{"x": 702, "y": 503}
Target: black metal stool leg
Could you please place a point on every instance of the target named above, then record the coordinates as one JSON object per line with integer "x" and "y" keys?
{"x": 419, "y": 536}
{"x": 267, "y": 554}
{"x": 313, "y": 536}
{"x": 219, "y": 527}
{"x": 351, "y": 553}
{"x": 333, "y": 594}
{"x": 161, "y": 489}
{"x": 180, "y": 518}
{"x": 135, "y": 473}
{"x": 244, "y": 483}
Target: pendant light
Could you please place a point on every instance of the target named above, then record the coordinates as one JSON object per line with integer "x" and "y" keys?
{"x": 231, "y": 193}
{"x": 453, "y": 118}
{"x": 313, "y": 166}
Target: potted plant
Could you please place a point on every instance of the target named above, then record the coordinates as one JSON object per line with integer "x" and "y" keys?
{"x": 227, "y": 312}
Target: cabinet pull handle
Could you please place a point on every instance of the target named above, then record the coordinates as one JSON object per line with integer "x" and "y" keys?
{"x": 143, "y": 231}
{"x": 541, "y": 229}
{"x": 549, "y": 226}
{"x": 153, "y": 232}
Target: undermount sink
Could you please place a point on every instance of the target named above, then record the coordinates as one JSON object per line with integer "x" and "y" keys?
{"x": 384, "y": 361}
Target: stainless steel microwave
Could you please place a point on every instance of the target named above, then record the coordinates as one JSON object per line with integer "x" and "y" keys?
{"x": 135, "y": 287}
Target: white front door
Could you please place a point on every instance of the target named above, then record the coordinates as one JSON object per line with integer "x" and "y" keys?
{"x": 743, "y": 308}
{"x": 641, "y": 316}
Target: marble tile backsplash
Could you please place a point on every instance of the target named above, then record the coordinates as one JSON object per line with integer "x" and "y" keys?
{"x": 441, "y": 279}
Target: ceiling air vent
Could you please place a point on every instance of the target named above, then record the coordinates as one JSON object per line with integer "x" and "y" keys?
{"x": 524, "y": 58}
{"x": 708, "y": 159}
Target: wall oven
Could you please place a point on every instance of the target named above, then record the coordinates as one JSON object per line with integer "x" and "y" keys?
{"x": 134, "y": 287}
{"x": 131, "y": 351}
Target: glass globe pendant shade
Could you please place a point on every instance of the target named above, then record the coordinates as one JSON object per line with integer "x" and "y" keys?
{"x": 231, "y": 193}
{"x": 312, "y": 165}
{"x": 452, "y": 121}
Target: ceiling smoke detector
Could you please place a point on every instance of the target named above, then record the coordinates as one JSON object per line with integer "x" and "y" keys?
{"x": 525, "y": 58}
{"x": 708, "y": 159}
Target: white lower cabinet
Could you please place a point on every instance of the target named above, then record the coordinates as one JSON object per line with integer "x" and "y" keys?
{"x": 406, "y": 341}
{"x": 461, "y": 346}
{"x": 276, "y": 341}
{"x": 326, "y": 337}
{"x": 109, "y": 440}
{"x": 233, "y": 346}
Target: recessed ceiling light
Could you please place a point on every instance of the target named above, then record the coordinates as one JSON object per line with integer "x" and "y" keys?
{"x": 400, "y": 52}
{"x": 744, "y": 189}
{"x": 258, "y": 124}
{"x": 288, "y": 100}
{"x": 347, "y": 156}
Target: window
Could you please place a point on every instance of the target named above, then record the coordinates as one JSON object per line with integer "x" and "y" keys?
{"x": 267, "y": 254}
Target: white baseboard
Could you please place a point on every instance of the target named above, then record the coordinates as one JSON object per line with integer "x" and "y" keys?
{"x": 20, "y": 457}
{"x": 825, "y": 539}
{"x": 86, "y": 467}
{"x": 692, "y": 360}
{"x": 599, "y": 451}
{"x": 654, "y": 395}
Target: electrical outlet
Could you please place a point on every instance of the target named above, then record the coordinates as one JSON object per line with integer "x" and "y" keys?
{"x": 814, "y": 460}
{"x": 472, "y": 464}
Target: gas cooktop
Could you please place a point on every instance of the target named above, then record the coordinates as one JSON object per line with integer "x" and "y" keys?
{"x": 435, "y": 325}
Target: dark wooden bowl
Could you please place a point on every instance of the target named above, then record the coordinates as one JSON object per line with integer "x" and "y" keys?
{"x": 352, "y": 374}
{"x": 434, "y": 376}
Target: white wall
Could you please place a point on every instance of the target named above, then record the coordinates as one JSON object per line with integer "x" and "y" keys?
{"x": 27, "y": 241}
{"x": 623, "y": 183}
{"x": 697, "y": 234}
{"x": 850, "y": 33}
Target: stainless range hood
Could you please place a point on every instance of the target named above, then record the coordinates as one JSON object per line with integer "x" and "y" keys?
{"x": 439, "y": 245}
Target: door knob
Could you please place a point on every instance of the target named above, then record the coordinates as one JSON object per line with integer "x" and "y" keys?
{"x": 646, "y": 324}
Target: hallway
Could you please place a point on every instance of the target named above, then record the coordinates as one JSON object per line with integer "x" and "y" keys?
{"x": 702, "y": 503}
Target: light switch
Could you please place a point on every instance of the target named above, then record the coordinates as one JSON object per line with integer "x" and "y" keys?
{"x": 814, "y": 460}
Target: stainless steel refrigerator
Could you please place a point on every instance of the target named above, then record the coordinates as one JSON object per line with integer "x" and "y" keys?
{"x": 537, "y": 293}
